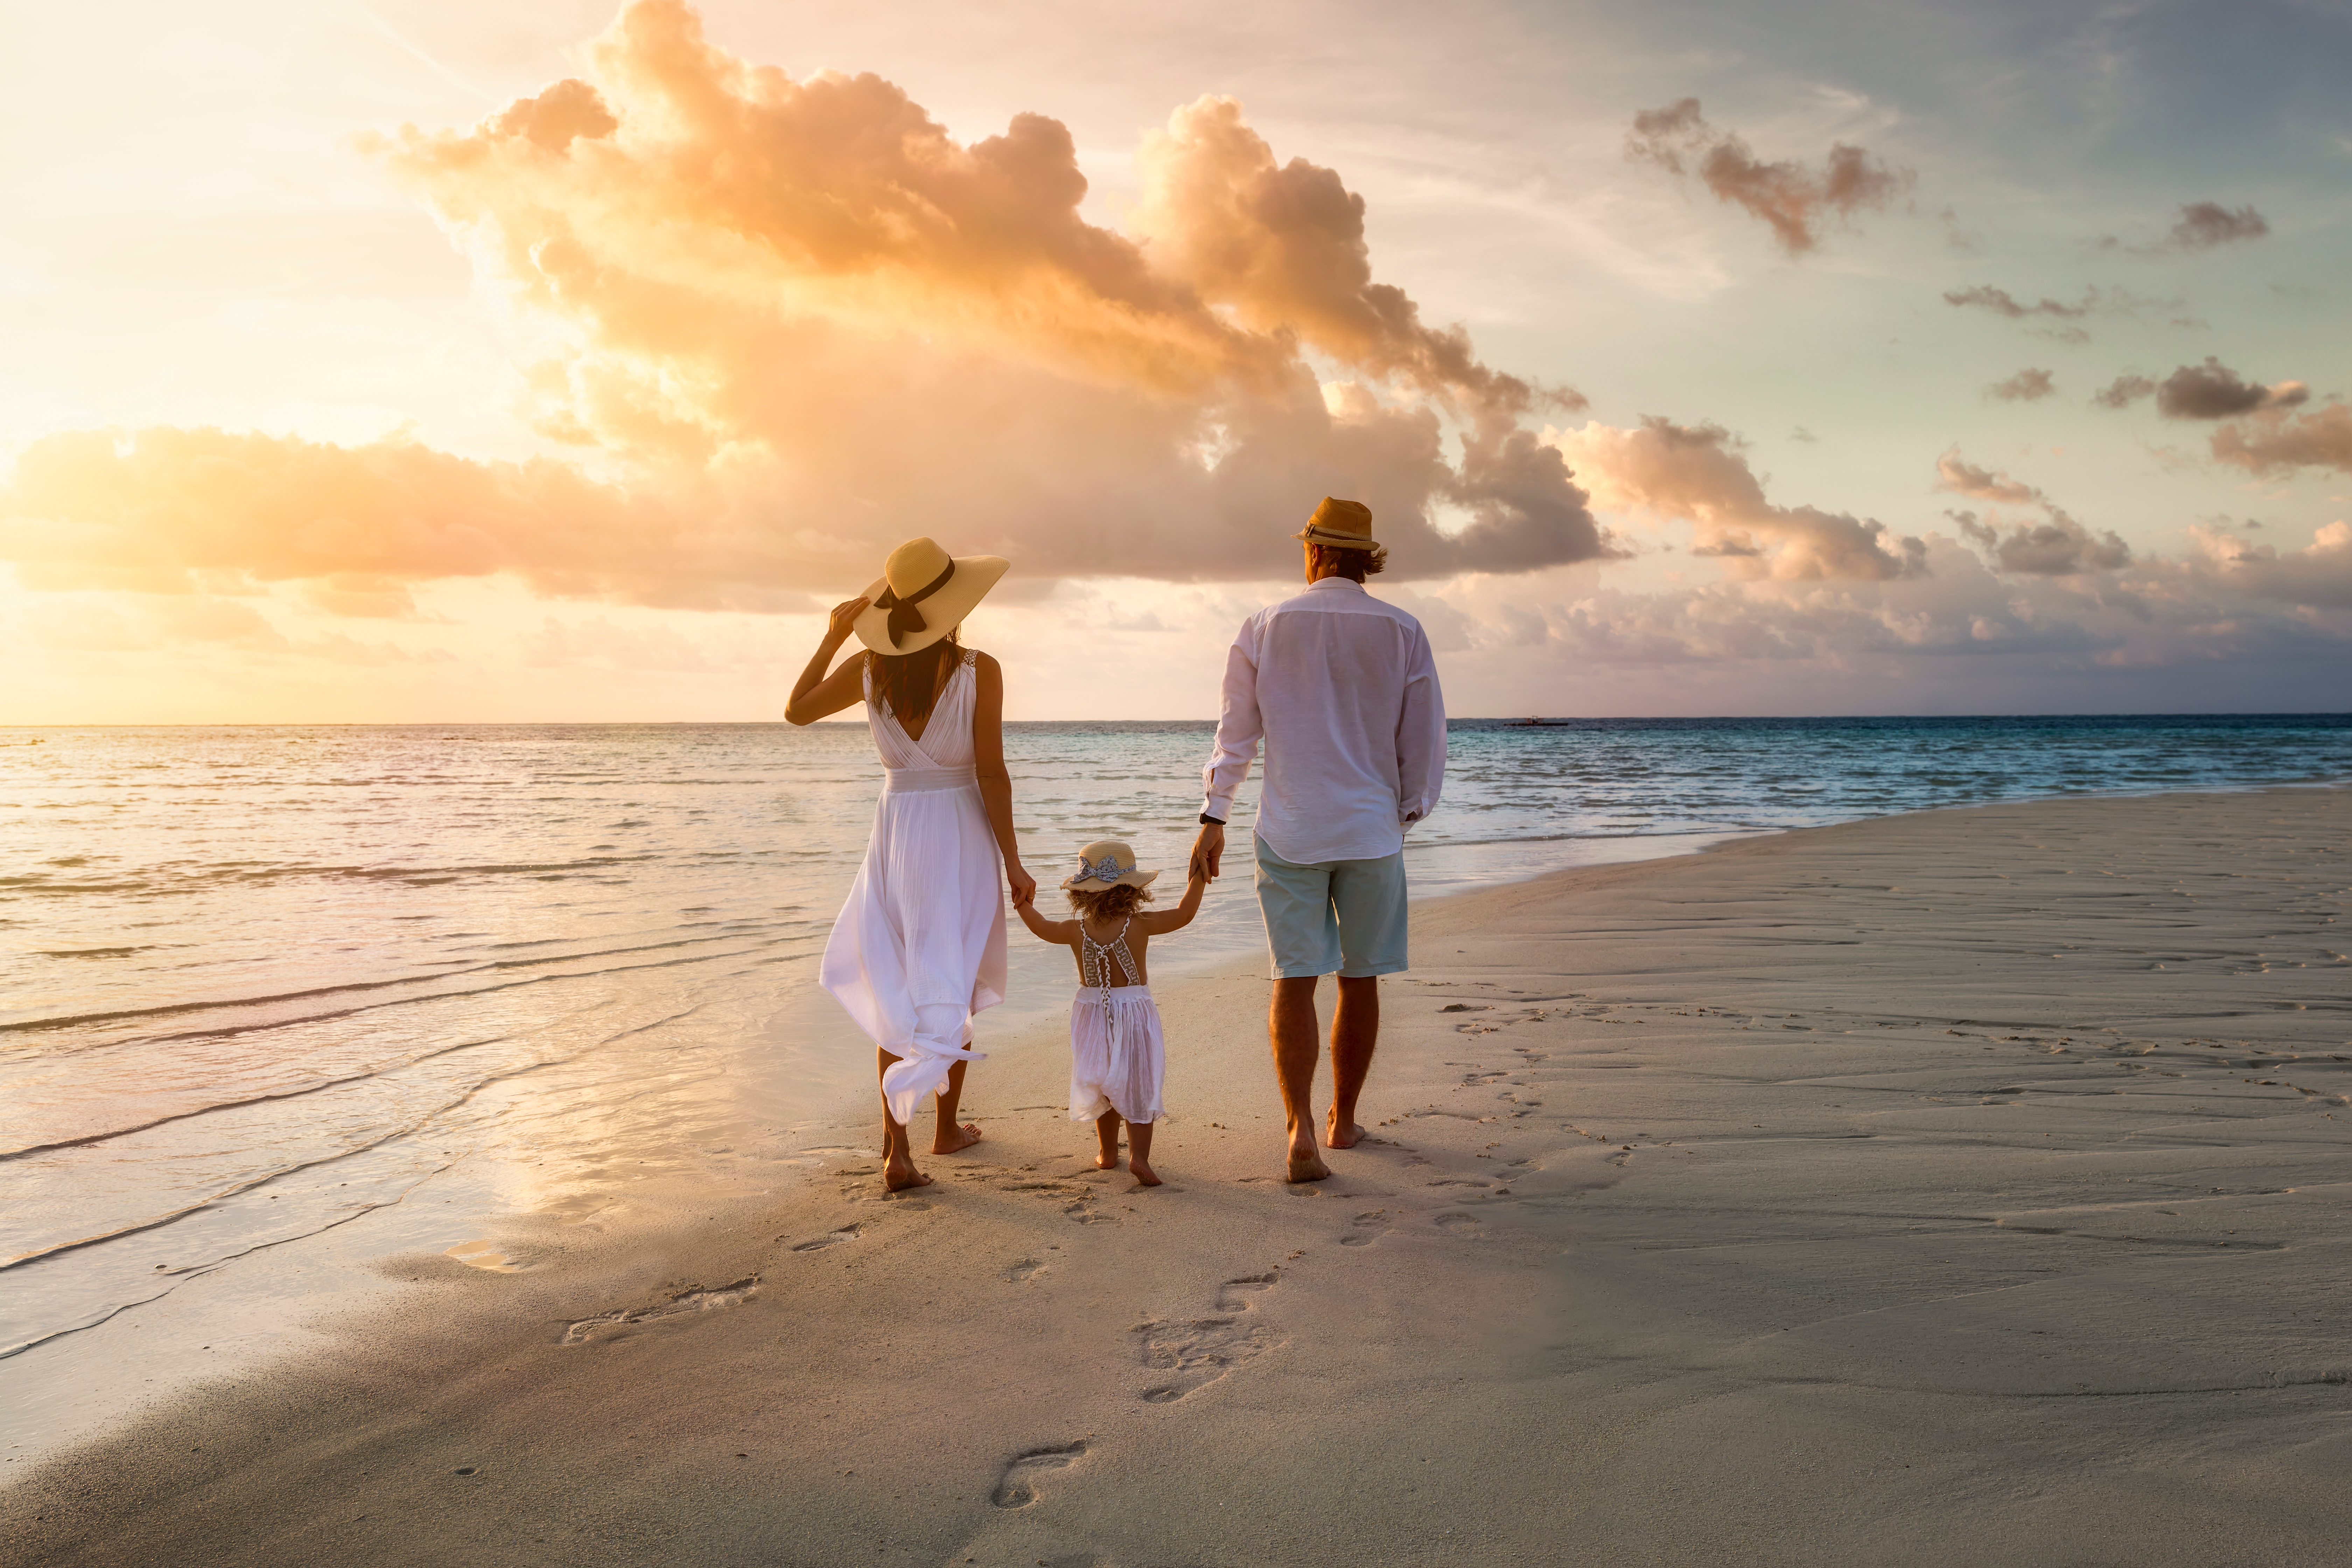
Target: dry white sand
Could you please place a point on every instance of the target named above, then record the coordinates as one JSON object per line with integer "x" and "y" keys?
{"x": 1959, "y": 1188}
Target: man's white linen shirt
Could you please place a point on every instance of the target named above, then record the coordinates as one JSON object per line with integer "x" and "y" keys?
{"x": 1343, "y": 689}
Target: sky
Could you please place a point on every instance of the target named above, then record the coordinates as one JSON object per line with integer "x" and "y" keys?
{"x": 422, "y": 361}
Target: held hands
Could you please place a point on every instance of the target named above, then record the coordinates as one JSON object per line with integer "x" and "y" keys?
{"x": 1208, "y": 852}
{"x": 1023, "y": 885}
{"x": 838, "y": 625}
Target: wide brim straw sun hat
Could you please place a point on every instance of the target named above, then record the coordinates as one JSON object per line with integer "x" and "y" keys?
{"x": 1105, "y": 864}
{"x": 923, "y": 594}
{"x": 1340, "y": 525}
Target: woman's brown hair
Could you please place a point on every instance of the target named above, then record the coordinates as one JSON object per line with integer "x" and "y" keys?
{"x": 910, "y": 683}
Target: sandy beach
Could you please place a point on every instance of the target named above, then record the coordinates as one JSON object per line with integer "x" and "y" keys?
{"x": 1959, "y": 1187}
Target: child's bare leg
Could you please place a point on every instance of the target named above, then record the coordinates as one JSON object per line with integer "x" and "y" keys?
{"x": 1107, "y": 1137}
{"x": 952, "y": 1135}
{"x": 1139, "y": 1154}
{"x": 899, "y": 1171}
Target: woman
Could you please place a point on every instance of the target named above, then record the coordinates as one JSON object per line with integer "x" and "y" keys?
{"x": 919, "y": 946}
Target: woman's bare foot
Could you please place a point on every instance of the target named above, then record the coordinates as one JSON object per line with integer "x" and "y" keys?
{"x": 901, "y": 1174}
{"x": 1141, "y": 1172}
{"x": 953, "y": 1138}
{"x": 1339, "y": 1134}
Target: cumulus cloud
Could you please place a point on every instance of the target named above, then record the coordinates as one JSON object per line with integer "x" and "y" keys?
{"x": 1696, "y": 473}
{"x": 789, "y": 322}
{"x": 2054, "y": 545}
{"x": 810, "y": 289}
{"x": 2025, "y": 386}
{"x": 2275, "y": 441}
{"x": 1792, "y": 199}
{"x": 2214, "y": 391}
{"x": 2320, "y": 573}
{"x": 2204, "y": 224}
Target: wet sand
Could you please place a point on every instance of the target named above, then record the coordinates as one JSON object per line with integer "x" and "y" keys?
{"x": 1953, "y": 1188}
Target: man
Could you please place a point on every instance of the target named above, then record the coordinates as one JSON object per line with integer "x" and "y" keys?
{"x": 1343, "y": 689}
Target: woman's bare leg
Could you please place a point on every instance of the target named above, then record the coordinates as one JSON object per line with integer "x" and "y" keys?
{"x": 1107, "y": 1137}
{"x": 953, "y": 1136}
{"x": 899, "y": 1171}
{"x": 1139, "y": 1154}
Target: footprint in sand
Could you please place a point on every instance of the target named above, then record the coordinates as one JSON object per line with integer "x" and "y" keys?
{"x": 833, "y": 1239}
{"x": 1190, "y": 1356}
{"x": 1018, "y": 1486}
{"x": 1462, "y": 1224}
{"x": 685, "y": 1302}
{"x": 1023, "y": 1271}
{"x": 1369, "y": 1228}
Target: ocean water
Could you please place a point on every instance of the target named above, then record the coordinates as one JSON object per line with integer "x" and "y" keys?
{"x": 263, "y": 987}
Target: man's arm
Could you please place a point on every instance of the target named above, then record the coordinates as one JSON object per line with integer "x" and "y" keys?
{"x": 1240, "y": 727}
{"x": 1421, "y": 735}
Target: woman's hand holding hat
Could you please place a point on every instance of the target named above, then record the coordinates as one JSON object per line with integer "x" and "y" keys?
{"x": 844, "y": 619}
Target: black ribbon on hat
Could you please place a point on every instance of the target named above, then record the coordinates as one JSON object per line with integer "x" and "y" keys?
{"x": 904, "y": 616}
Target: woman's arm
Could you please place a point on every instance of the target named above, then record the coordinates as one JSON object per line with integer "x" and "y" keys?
{"x": 1158, "y": 922}
{"x": 995, "y": 783}
{"x": 816, "y": 695}
{"x": 1063, "y": 932}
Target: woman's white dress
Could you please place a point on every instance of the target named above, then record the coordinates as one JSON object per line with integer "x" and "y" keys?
{"x": 919, "y": 946}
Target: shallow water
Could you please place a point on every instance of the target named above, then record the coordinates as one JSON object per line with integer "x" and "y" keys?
{"x": 257, "y": 984}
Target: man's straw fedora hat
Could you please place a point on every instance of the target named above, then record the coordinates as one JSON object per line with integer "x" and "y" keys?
{"x": 923, "y": 594}
{"x": 1106, "y": 864}
{"x": 1341, "y": 524}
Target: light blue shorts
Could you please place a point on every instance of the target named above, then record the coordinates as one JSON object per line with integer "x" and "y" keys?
{"x": 1346, "y": 915}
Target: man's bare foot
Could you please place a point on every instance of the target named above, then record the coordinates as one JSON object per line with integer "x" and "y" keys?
{"x": 1105, "y": 1161}
{"x": 950, "y": 1140}
{"x": 1142, "y": 1174}
{"x": 1305, "y": 1164}
{"x": 901, "y": 1174}
{"x": 1340, "y": 1134}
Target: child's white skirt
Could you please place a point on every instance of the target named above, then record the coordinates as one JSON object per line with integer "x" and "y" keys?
{"x": 1117, "y": 1061}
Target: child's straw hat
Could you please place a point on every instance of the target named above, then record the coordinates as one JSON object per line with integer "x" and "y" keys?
{"x": 1106, "y": 864}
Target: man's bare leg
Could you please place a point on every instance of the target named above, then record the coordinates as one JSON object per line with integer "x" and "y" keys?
{"x": 1139, "y": 1154}
{"x": 1291, "y": 1023}
{"x": 952, "y": 1135}
{"x": 899, "y": 1171}
{"x": 1355, "y": 1033}
{"x": 1106, "y": 1140}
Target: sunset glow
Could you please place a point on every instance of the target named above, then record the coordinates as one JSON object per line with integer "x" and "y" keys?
{"x": 437, "y": 362}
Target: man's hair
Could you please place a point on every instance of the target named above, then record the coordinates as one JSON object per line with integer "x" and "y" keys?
{"x": 1110, "y": 904}
{"x": 1355, "y": 566}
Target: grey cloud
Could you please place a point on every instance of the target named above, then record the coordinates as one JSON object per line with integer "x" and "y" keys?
{"x": 2025, "y": 386}
{"x": 2204, "y": 224}
{"x": 1789, "y": 198}
{"x": 2214, "y": 391}
{"x": 2123, "y": 392}
{"x": 2059, "y": 547}
{"x": 2056, "y": 546}
{"x": 2001, "y": 302}
{"x": 2275, "y": 441}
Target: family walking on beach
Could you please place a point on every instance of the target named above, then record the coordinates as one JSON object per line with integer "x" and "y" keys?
{"x": 1339, "y": 688}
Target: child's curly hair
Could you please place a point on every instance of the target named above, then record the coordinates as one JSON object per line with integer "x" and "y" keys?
{"x": 1110, "y": 904}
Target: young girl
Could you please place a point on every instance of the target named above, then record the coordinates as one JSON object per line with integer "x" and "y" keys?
{"x": 1117, "y": 1056}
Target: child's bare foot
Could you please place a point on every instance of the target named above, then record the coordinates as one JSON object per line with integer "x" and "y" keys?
{"x": 1340, "y": 1134}
{"x": 1141, "y": 1172}
{"x": 1105, "y": 1161}
{"x": 899, "y": 1174}
{"x": 953, "y": 1138}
